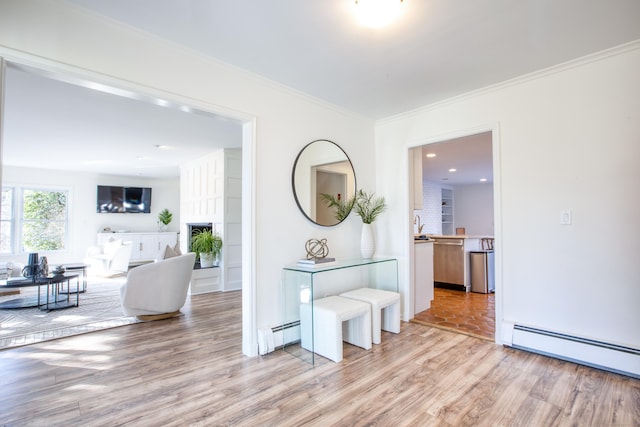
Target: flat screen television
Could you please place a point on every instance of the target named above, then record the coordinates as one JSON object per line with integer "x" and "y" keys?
{"x": 113, "y": 199}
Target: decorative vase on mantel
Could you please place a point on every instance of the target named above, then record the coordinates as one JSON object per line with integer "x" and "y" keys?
{"x": 367, "y": 243}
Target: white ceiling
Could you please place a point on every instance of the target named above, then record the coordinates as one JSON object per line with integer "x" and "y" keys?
{"x": 58, "y": 125}
{"x": 435, "y": 50}
{"x": 470, "y": 156}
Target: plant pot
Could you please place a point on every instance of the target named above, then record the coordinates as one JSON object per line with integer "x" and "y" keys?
{"x": 367, "y": 243}
{"x": 207, "y": 260}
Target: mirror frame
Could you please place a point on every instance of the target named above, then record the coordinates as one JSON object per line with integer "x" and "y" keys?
{"x": 296, "y": 191}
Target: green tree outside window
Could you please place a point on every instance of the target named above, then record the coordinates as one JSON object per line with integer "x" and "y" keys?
{"x": 44, "y": 220}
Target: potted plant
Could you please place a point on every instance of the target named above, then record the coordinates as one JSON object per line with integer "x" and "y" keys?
{"x": 343, "y": 207}
{"x": 208, "y": 245}
{"x": 164, "y": 218}
{"x": 368, "y": 207}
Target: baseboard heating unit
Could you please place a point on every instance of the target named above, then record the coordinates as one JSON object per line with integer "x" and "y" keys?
{"x": 598, "y": 354}
{"x": 276, "y": 337}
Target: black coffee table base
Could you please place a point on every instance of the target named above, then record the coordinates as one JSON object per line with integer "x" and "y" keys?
{"x": 29, "y": 302}
{"x": 51, "y": 300}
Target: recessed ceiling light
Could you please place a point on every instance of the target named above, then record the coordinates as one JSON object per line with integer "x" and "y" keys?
{"x": 431, "y": 155}
{"x": 483, "y": 179}
{"x": 452, "y": 170}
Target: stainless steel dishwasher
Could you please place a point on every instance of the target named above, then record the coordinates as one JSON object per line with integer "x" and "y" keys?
{"x": 448, "y": 260}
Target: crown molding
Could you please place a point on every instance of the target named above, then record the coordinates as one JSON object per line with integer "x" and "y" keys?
{"x": 545, "y": 72}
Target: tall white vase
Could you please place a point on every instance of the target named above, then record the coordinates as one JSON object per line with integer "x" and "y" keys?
{"x": 367, "y": 244}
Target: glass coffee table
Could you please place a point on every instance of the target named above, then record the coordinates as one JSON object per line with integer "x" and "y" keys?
{"x": 51, "y": 300}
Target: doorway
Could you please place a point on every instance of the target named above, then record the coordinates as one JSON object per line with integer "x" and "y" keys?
{"x": 245, "y": 124}
{"x": 328, "y": 182}
{"x": 458, "y": 202}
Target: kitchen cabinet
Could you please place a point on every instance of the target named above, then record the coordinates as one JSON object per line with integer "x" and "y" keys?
{"x": 423, "y": 275}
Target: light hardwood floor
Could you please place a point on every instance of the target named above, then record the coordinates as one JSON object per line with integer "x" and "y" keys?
{"x": 189, "y": 371}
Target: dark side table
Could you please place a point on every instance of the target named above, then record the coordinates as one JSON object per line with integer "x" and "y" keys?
{"x": 52, "y": 299}
{"x": 81, "y": 269}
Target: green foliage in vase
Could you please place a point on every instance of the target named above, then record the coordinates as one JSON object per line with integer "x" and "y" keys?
{"x": 165, "y": 216}
{"x": 207, "y": 242}
{"x": 368, "y": 207}
{"x": 343, "y": 207}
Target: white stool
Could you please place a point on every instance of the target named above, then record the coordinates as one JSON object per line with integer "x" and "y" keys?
{"x": 385, "y": 309}
{"x": 328, "y": 328}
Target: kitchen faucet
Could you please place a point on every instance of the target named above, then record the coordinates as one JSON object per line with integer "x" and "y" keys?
{"x": 416, "y": 220}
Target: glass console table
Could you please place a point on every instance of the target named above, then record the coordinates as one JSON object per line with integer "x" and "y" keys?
{"x": 303, "y": 284}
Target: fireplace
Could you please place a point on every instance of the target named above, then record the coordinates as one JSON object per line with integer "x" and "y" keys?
{"x": 196, "y": 227}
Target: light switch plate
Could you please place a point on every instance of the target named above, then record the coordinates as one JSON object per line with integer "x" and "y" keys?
{"x": 565, "y": 217}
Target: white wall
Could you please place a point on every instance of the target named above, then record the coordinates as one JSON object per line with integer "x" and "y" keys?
{"x": 84, "y": 221}
{"x": 473, "y": 208}
{"x": 566, "y": 138}
{"x": 63, "y": 38}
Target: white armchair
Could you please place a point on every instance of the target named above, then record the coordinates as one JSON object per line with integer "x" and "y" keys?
{"x": 109, "y": 259}
{"x": 158, "y": 290}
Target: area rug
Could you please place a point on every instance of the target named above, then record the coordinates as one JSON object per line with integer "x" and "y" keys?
{"x": 99, "y": 309}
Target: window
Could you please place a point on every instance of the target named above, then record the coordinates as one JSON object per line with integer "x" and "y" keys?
{"x": 33, "y": 220}
{"x": 6, "y": 216}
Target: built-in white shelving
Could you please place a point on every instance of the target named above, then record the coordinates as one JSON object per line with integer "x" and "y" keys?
{"x": 447, "y": 211}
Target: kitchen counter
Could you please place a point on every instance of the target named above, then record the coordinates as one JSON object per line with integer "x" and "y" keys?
{"x": 458, "y": 236}
{"x": 422, "y": 240}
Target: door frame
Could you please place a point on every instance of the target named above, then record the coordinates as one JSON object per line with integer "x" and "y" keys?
{"x": 71, "y": 74}
{"x": 497, "y": 213}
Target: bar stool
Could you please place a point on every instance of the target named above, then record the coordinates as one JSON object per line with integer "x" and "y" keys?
{"x": 385, "y": 309}
{"x": 329, "y": 331}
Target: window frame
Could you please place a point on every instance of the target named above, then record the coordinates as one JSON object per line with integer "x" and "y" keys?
{"x": 17, "y": 220}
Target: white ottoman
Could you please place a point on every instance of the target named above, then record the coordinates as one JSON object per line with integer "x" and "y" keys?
{"x": 328, "y": 328}
{"x": 385, "y": 309}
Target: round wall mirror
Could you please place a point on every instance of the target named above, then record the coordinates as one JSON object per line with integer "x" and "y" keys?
{"x": 322, "y": 168}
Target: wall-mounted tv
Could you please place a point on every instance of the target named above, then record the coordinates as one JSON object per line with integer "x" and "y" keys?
{"x": 113, "y": 199}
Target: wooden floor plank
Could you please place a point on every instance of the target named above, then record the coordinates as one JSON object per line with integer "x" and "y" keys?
{"x": 189, "y": 370}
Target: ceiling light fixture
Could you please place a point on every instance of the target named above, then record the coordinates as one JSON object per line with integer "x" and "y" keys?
{"x": 452, "y": 170}
{"x": 483, "y": 179}
{"x": 377, "y": 13}
{"x": 431, "y": 155}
